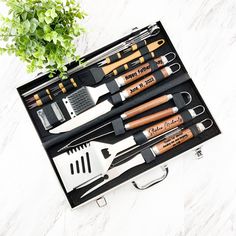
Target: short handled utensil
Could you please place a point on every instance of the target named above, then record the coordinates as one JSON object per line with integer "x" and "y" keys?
{"x": 92, "y": 160}
{"x": 64, "y": 86}
{"x": 150, "y": 154}
{"x": 95, "y": 75}
{"x": 107, "y": 105}
{"x": 47, "y": 95}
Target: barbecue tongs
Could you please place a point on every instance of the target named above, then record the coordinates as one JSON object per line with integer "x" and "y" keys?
{"x": 149, "y": 154}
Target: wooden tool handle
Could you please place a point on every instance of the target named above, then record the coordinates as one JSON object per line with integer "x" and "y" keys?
{"x": 145, "y": 83}
{"x": 139, "y": 86}
{"x": 107, "y": 69}
{"x": 150, "y": 118}
{"x": 163, "y": 126}
{"x": 149, "y": 48}
{"x": 142, "y": 70}
{"x": 138, "y": 45}
{"x": 136, "y": 73}
{"x": 145, "y": 107}
{"x": 173, "y": 141}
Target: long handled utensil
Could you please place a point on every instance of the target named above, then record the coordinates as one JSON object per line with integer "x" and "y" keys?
{"x": 107, "y": 105}
{"x": 92, "y": 160}
{"x": 87, "y": 97}
{"x": 150, "y": 154}
{"x": 119, "y": 122}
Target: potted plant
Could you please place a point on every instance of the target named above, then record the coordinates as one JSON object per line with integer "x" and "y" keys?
{"x": 42, "y": 32}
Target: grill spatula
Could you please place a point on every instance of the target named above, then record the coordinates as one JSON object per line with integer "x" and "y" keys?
{"x": 84, "y": 164}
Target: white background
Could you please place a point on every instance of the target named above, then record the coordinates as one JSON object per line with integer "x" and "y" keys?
{"x": 197, "y": 198}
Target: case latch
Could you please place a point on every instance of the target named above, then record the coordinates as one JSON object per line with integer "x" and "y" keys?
{"x": 198, "y": 153}
{"x": 101, "y": 202}
{"x": 155, "y": 181}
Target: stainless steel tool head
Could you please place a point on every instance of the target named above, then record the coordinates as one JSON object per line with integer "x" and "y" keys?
{"x": 78, "y": 102}
{"x": 83, "y": 164}
{"x": 83, "y": 99}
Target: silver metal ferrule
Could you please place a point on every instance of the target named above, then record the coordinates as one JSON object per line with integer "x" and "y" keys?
{"x": 168, "y": 70}
{"x": 200, "y": 127}
{"x": 123, "y": 116}
{"x": 155, "y": 150}
{"x": 192, "y": 113}
{"x": 175, "y": 109}
{"x": 124, "y": 94}
{"x": 120, "y": 81}
{"x": 169, "y": 96}
{"x": 127, "y": 126}
{"x": 164, "y": 60}
{"x": 146, "y": 133}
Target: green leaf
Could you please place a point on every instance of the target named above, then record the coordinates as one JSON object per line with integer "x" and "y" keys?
{"x": 2, "y": 50}
{"x": 48, "y": 20}
{"x": 24, "y": 16}
{"x": 54, "y": 36}
{"x": 46, "y": 28}
{"x": 41, "y": 17}
{"x": 48, "y": 37}
{"x": 48, "y": 13}
{"x": 26, "y": 25}
{"x": 40, "y": 33}
{"x": 53, "y": 13}
{"x": 34, "y": 20}
{"x": 33, "y": 25}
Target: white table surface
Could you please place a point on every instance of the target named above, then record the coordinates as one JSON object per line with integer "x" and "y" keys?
{"x": 197, "y": 198}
